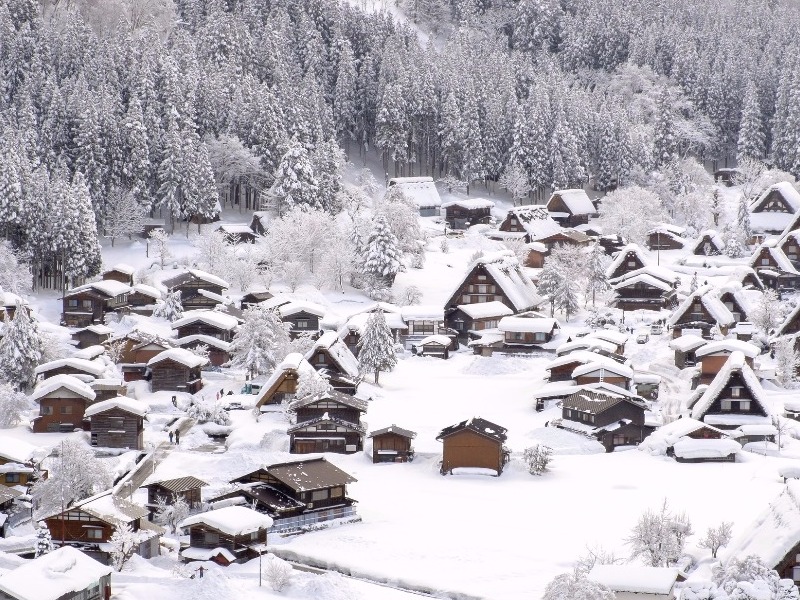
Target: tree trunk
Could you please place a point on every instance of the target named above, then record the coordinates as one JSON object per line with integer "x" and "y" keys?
{"x": 377, "y": 372}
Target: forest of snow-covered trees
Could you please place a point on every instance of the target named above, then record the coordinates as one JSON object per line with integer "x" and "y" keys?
{"x": 142, "y": 105}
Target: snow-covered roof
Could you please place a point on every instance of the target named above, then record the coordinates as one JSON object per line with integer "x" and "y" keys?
{"x": 231, "y": 520}
{"x": 728, "y": 346}
{"x": 57, "y": 574}
{"x": 111, "y": 509}
{"x": 439, "y": 340}
{"x": 127, "y": 404}
{"x": 579, "y": 356}
{"x": 712, "y": 236}
{"x": 774, "y": 533}
{"x": 613, "y": 368}
{"x": 680, "y": 428}
{"x": 8, "y": 300}
{"x": 785, "y": 189}
{"x": 422, "y": 312}
{"x": 191, "y": 340}
{"x": 485, "y": 310}
{"x": 756, "y": 429}
{"x": 635, "y": 579}
{"x": 687, "y": 343}
{"x": 98, "y": 329}
{"x": 337, "y": 350}
{"x": 622, "y": 255}
{"x": 470, "y": 203}
{"x": 609, "y": 335}
{"x": 690, "y": 448}
{"x": 536, "y": 221}
{"x": 591, "y": 344}
{"x": 420, "y": 190}
{"x": 710, "y": 301}
{"x": 78, "y": 364}
{"x": 16, "y": 450}
{"x": 777, "y": 255}
{"x": 505, "y": 269}
{"x": 210, "y": 317}
{"x": 208, "y": 554}
{"x": 528, "y": 324}
{"x": 577, "y": 201}
{"x": 770, "y": 222}
{"x": 668, "y": 228}
{"x": 70, "y": 382}
{"x": 734, "y": 364}
{"x": 658, "y": 272}
{"x": 788, "y": 320}
{"x": 218, "y": 281}
{"x": 108, "y": 287}
{"x": 147, "y": 290}
{"x": 123, "y": 268}
{"x": 236, "y": 229}
{"x": 297, "y": 306}
{"x": 643, "y": 279}
{"x": 179, "y": 355}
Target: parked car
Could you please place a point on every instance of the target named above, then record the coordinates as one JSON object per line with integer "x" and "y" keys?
{"x": 643, "y": 338}
{"x": 251, "y": 387}
{"x": 234, "y": 406}
{"x": 656, "y": 329}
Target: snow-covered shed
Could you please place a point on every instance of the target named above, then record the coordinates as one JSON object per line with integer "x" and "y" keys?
{"x": 81, "y": 368}
{"x": 714, "y": 354}
{"x": 630, "y": 258}
{"x": 176, "y": 370}
{"x": 604, "y": 371}
{"x": 330, "y": 356}
{"x": 211, "y": 323}
{"x": 87, "y": 304}
{"x": 528, "y": 330}
{"x": 709, "y": 243}
{"x": 237, "y": 234}
{"x": 303, "y": 317}
{"x": 529, "y": 223}
{"x": 117, "y": 423}
{"x": 571, "y": 207}
{"x": 282, "y": 384}
{"x": 685, "y": 348}
{"x": 665, "y": 236}
{"x": 92, "y": 335}
{"x": 474, "y": 444}
{"x": 62, "y": 400}
{"x": 17, "y": 460}
{"x": 392, "y": 444}
{"x": 734, "y": 397}
{"x": 701, "y": 310}
{"x": 65, "y": 573}
{"x": 461, "y": 214}
{"x": 168, "y": 490}
{"x": 8, "y": 304}
{"x": 190, "y": 282}
{"x": 690, "y": 440}
{"x": 632, "y": 582}
{"x": 120, "y": 272}
{"x": 226, "y": 535}
{"x": 437, "y": 346}
{"x": 421, "y": 191}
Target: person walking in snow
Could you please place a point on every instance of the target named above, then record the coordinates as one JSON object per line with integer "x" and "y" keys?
{"x": 170, "y": 436}
{"x": 177, "y": 437}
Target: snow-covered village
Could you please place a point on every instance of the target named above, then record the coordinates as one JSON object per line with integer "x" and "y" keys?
{"x": 381, "y": 299}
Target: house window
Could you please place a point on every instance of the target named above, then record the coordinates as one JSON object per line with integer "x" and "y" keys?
{"x": 518, "y": 335}
{"x": 326, "y": 427}
{"x": 72, "y": 303}
{"x": 567, "y": 413}
{"x": 319, "y": 495}
{"x": 87, "y": 303}
{"x": 459, "y": 325}
{"x": 540, "y": 336}
{"x": 764, "y": 262}
{"x": 46, "y": 410}
{"x": 116, "y": 422}
{"x": 490, "y": 324}
{"x": 465, "y": 299}
{"x": 302, "y": 323}
{"x": 744, "y": 405}
{"x": 481, "y": 277}
{"x": 631, "y": 264}
{"x": 483, "y": 289}
{"x": 736, "y": 391}
{"x": 94, "y": 533}
{"x": 211, "y": 537}
{"x": 12, "y": 477}
{"x": 337, "y": 492}
{"x": 254, "y": 536}
{"x": 66, "y": 410}
{"x": 727, "y": 405}
{"x": 320, "y": 359}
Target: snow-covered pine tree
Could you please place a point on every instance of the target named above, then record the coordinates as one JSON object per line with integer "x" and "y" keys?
{"x": 295, "y": 182}
{"x": 550, "y": 282}
{"x": 170, "y": 308}
{"x": 391, "y": 127}
{"x": 13, "y": 406}
{"x": 715, "y": 206}
{"x": 261, "y": 342}
{"x": 515, "y": 181}
{"x": 382, "y": 255}
{"x": 565, "y": 158}
{"x": 743, "y": 221}
{"x": 124, "y": 215}
{"x": 596, "y": 265}
{"x": 344, "y": 95}
{"x": 565, "y": 296}
{"x": 751, "y": 142}
{"x": 171, "y": 175}
{"x": 693, "y": 284}
{"x": 44, "y": 541}
{"x": 376, "y": 346}
{"x": 664, "y": 144}
{"x": 20, "y": 349}
{"x": 328, "y": 162}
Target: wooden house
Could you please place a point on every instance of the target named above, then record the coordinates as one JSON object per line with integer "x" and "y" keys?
{"x": 733, "y": 297}
{"x": 232, "y": 534}
{"x": 108, "y": 388}
{"x": 79, "y": 367}
{"x": 421, "y": 191}
{"x": 733, "y": 398}
{"x": 330, "y": 356}
{"x": 117, "y": 423}
{"x": 571, "y": 207}
{"x": 169, "y": 490}
{"x": 564, "y": 237}
{"x": 715, "y": 354}
{"x": 691, "y": 441}
{"x": 120, "y": 272}
{"x": 630, "y": 258}
{"x": 461, "y": 214}
{"x": 709, "y": 243}
{"x": 473, "y": 444}
{"x": 252, "y": 298}
{"x": 189, "y": 284}
{"x": 642, "y": 290}
{"x": 8, "y": 498}
{"x": 62, "y": 401}
{"x": 137, "y": 349}
{"x": 774, "y": 269}
{"x": 685, "y": 348}
{"x": 281, "y": 386}
{"x": 237, "y": 234}
{"x": 528, "y": 223}
{"x": 350, "y": 333}
{"x": 791, "y": 324}
{"x": 635, "y": 582}
{"x": 18, "y": 466}
{"x": 702, "y": 310}
{"x": 528, "y": 330}
{"x": 89, "y": 524}
{"x": 605, "y": 371}
{"x": 333, "y": 403}
{"x": 666, "y": 237}
{"x": 421, "y": 321}
{"x": 90, "y": 303}
{"x": 612, "y": 419}
{"x": 789, "y": 244}
{"x": 8, "y": 305}
{"x": 303, "y": 318}
{"x": 774, "y": 208}
{"x": 535, "y": 255}
{"x": 142, "y": 299}
{"x": 611, "y": 336}
{"x": 392, "y": 444}
{"x": 218, "y": 350}
{"x": 210, "y": 323}
{"x": 92, "y": 335}
{"x": 774, "y": 535}
{"x": 435, "y": 346}
{"x": 493, "y": 278}
{"x": 468, "y": 319}
{"x": 176, "y": 370}
{"x": 296, "y": 493}
{"x": 326, "y": 434}
{"x": 561, "y": 368}
{"x": 65, "y": 573}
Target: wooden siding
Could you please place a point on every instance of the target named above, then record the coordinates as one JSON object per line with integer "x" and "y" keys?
{"x": 458, "y": 216}
{"x": 393, "y": 442}
{"x": 622, "y": 382}
{"x": 310, "y": 442}
{"x": 469, "y": 449}
{"x": 116, "y": 428}
{"x": 726, "y": 393}
{"x": 171, "y": 376}
{"x": 341, "y": 411}
{"x": 87, "y": 338}
{"x": 625, "y": 267}
{"x": 217, "y": 539}
{"x": 66, "y": 409}
{"x": 201, "y": 328}
{"x": 90, "y": 308}
{"x": 478, "y": 286}
{"x": 663, "y": 241}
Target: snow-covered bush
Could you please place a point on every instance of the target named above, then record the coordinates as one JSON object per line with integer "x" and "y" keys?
{"x": 444, "y": 246}
{"x": 170, "y": 307}
{"x": 44, "y": 541}
{"x": 659, "y": 538}
{"x": 410, "y": 296}
{"x": 277, "y": 572}
{"x": 169, "y": 515}
{"x": 537, "y": 458}
{"x": 159, "y": 243}
{"x": 716, "y": 538}
{"x": 124, "y": 542}
{"x": 576, "y": 586}
{"x": 13, "y": 406}
{"x": 209, "y": 412}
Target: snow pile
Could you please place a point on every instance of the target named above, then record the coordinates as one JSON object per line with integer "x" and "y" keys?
{"x": 634, "y": 579}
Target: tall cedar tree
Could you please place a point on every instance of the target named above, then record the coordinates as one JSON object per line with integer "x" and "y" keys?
{"x": 259, "y": 344}
{"x": 20, "y": 349}
{"x": 376, "y": 346}
{"x": 382, "y": 252}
